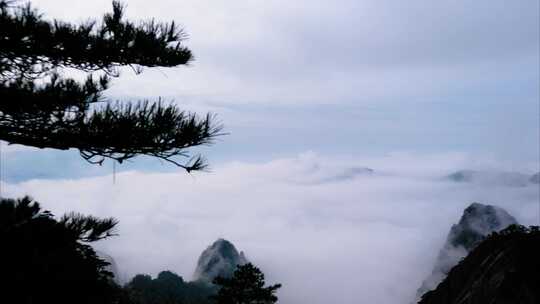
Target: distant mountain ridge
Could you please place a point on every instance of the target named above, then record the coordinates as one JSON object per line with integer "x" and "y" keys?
{"x": 475, "y": 224}
{"x": 503, "y": 178}
{"x": 348, "y": 174}
{"x": 535, "y": 178}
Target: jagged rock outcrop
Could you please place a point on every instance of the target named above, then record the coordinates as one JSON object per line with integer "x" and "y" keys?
{"x": 219, "y": 259}
{"x": 476, "y": 223}
{"x": 353, "y": 172}
{"x": 535, "y": 179}
{"x": 503, "y": 269}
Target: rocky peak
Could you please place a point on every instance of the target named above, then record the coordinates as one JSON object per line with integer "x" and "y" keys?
{"x": 475, "y": 224}
{"x": 219, "y": 259}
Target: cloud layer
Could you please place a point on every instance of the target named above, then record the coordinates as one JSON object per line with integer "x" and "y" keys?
{"x": 359, "y": 238}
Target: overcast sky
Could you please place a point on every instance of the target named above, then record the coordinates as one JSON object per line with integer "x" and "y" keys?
{"x": 338, "y": 78}
{"x": 413, "y": 89}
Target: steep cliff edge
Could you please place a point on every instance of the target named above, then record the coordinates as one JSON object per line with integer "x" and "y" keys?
{"x": 477, "y": 222}
{"x": 503, "y": 269}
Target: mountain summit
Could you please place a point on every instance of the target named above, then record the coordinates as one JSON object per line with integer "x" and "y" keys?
{"x": 219, "y": 259}
{"x": 476, "y": 223}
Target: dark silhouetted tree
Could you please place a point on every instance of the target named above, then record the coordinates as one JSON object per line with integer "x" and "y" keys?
{"x": 167, "y": 288}
{"x": 45, "y": 260}
{"x": 40, "y": 107}
{"x": 246, "y": 286}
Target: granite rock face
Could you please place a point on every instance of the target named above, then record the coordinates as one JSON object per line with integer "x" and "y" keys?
{"x": 476, "y": 223}
{"x": 503, "y": 269}
{"x": 219, "y": 259}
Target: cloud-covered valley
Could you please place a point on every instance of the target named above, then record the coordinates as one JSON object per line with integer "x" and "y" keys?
{"x": 327, "y": 228}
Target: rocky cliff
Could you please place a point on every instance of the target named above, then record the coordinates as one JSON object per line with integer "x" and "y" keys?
{"x": 476, "y": 223}
{"x": 219, "y": 259}
{"x": 503, "y": 269}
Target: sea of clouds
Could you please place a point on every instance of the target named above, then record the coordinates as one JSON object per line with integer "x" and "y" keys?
{"x": 326, "y": 228}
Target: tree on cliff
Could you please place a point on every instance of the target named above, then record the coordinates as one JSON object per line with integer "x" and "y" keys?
{"x": 43, "y": 108}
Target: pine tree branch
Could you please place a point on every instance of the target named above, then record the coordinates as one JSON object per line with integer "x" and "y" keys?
{"x": 118, "y": 131}
{"x": 40, "y": 108}
{"x": 32, "y": 46}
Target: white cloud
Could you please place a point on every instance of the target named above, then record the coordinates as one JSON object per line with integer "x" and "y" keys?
{"x": 367, "y": 239}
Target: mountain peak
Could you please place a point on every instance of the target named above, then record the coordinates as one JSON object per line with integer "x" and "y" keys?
{"x": 219, "y": 259}
{"x": 477, "y": 222}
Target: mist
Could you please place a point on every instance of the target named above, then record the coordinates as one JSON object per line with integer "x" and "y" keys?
{"x": 327, "y": 230}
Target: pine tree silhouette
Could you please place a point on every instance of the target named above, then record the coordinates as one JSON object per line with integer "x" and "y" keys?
{"x": 45, "y": 260}
{"x": 246, "y": 286}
